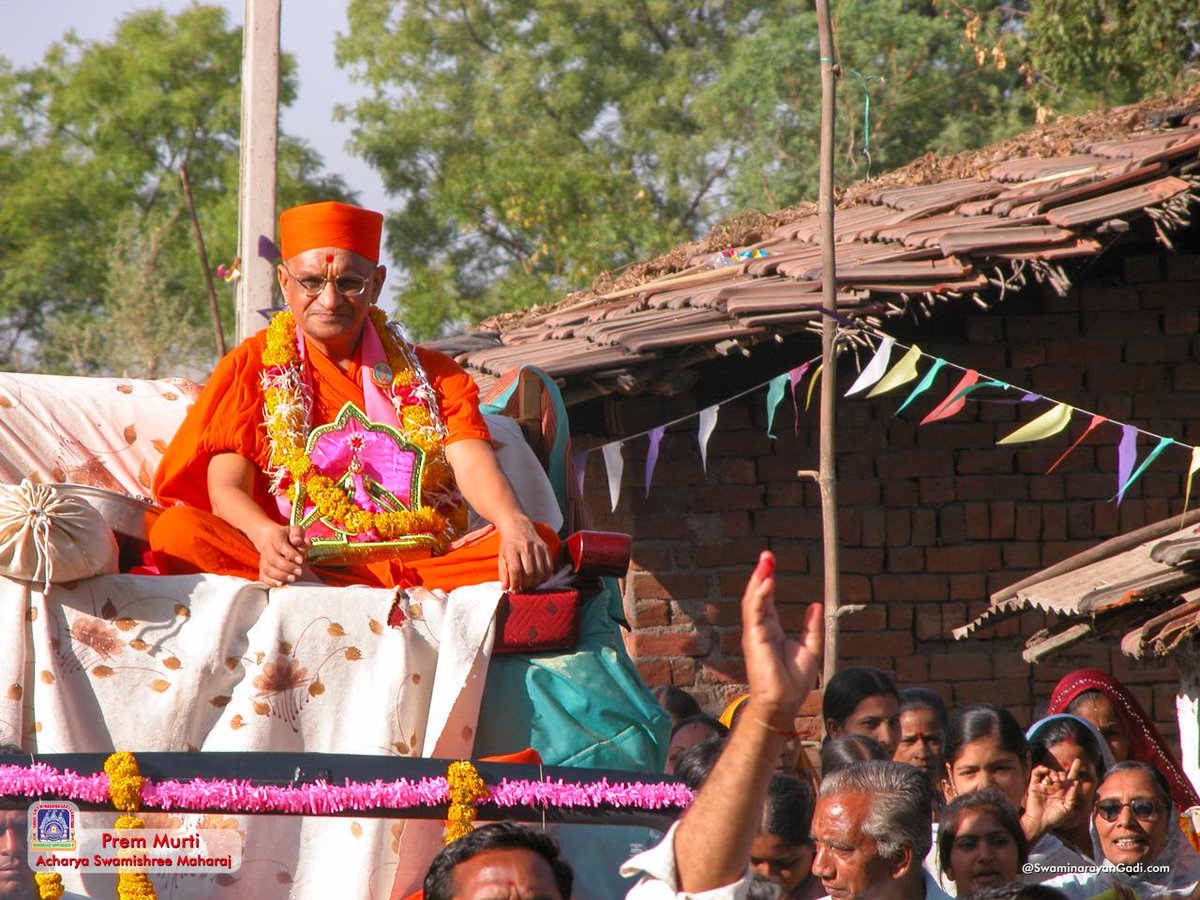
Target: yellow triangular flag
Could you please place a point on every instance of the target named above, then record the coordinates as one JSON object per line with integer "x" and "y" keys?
{"x": 1195, "y": 464}
{"x": 902, "y": 373}
{"x": 1042, "y": 427}
{"x": 812, "y": 384}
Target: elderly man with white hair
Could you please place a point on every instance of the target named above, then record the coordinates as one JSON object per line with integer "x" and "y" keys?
{"x": 871, "y": 829}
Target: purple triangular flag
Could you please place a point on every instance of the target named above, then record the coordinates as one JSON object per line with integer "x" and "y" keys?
{"x": 267, "y": 248}
{"x": 1126, "y": 456}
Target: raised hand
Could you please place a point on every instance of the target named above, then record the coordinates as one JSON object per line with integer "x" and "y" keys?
{"x": 1051, "y": 798}
{"x": 781, "y": 671}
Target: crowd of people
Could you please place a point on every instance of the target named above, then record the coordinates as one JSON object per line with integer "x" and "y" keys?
{"x": 908, "y": 800}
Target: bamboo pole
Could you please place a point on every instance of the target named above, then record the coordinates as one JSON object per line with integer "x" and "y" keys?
{"x": 218, "y": 333}
{"x": 827, "y": 471}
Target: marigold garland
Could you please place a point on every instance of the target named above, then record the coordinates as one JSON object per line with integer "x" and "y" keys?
{"x": 125, "y": 784}
{"x": 466, "y": 789}
{"x": 288, "y": 415}
{"x": 125, "y": 781}
{"x": 49, "y": 885}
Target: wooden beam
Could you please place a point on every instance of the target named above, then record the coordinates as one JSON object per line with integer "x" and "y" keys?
{"x": 259, "y": 151}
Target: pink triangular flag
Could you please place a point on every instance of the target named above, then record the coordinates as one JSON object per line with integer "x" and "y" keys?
{"x": 954, "y": 401}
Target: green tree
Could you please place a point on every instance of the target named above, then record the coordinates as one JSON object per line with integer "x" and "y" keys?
{"x": 98, "y": 269}
{"x": 909, "y": 85}
{"x": 533, "y": 144}
{"x": 1109, "y": 52}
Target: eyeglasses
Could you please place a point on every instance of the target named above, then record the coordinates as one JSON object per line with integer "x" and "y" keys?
{"x": 1146, "y": 810}
{"x": 346, "y": 285}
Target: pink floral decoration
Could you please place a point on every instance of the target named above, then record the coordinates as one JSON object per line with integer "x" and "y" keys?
{"x": 321, "y": 798}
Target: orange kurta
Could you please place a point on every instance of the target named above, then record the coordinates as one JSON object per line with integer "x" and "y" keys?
{"x": 228, "y": 418}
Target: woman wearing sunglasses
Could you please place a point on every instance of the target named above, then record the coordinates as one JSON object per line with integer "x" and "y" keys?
{"x": 1134, "y": 827}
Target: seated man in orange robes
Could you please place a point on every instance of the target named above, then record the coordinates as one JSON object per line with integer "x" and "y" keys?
{"x": 326, "y": 447}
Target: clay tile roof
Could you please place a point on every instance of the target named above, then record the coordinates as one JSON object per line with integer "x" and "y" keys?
{"x": 933, "y": 229}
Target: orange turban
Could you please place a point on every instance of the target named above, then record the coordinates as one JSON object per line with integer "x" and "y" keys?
{"x": 330, "y": 224}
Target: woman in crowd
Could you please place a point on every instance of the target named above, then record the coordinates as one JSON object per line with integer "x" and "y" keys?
{"x": 980, "y": 841}
{"x": 849, "y": 748}
{"x": 691, "y": 730}
{"x": 1130, "y": 733}
{"x": 783, "y": 850}
{"x": 1137, "y": 835}
{"x": 862, "y": 700}
{"x": 985, "y": 748}
{"x": 677, "y": 702}
{"x": 923, "y": 723}
{"x": 1058, "y": 742}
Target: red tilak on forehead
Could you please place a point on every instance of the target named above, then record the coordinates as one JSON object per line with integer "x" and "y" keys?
{"x": 328, "y": 257}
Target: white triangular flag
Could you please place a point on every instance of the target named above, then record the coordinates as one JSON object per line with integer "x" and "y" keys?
{"x": 615, "y": 464}
{"x": 708, "y": 422}
{"x": 875, "y": 368}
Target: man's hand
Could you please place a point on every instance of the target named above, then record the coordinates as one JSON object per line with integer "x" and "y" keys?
{"x": 781, "y": 672}
{"x": 283, "y": 551}
{"x": 524, "y": 557}
{"x": 712, "y": 845}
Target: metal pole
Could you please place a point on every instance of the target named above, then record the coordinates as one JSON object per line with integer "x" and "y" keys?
{"x": 827, "y": 477}
{"x": 260, "y": 142}
{"x": 218, "y": 333}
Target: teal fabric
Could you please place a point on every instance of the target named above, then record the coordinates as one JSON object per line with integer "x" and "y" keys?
{"x": 556, "y": 470}
{"x": 587, "y": 708}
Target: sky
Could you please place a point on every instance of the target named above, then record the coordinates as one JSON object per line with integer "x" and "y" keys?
{"x": 307, "y": 30}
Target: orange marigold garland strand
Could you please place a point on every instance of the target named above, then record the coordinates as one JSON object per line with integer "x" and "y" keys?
{"x": 288, "y": 415}
{"x": 125, "y": 784}
{"x": 466, "y": 790}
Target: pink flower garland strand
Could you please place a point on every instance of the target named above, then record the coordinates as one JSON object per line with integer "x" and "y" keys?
{"x": 320, "y": 798}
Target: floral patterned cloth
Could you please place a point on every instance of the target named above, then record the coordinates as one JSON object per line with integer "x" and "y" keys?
{"x": 106, "y": 432}
{"x": 215, "y": 663}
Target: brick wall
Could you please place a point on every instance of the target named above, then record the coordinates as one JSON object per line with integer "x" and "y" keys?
{"x": 933, "y": 519}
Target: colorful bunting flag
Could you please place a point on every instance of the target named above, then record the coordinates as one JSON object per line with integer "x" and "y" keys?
{"x": 708, "y": 422}
{"x": 776, "y": 388}
{"x": 1096, "y": 420}
{"x": 812, "y": 385}
{"x": 579, "y": 461}
{"x": 902, "y": 373}
{"x": 875, "y": 368}
{"x": 1192, "y": 467}
{"x": 1126, "y": 454}
{"x": 955, "y": 400}
{"x": 656, "y": 436}
{"x": 1044, "y": 426}
{"x": 614, "y": 463}
{"x": 924, "y": 384}
{"x": 795, "y": 376}
{"x": 1163, "y": 444}
{"x": 880, "y": 380}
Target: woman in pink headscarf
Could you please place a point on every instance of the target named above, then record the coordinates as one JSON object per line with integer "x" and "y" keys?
{"x": 1130, "y": 733}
